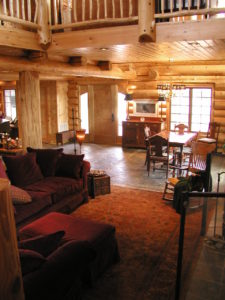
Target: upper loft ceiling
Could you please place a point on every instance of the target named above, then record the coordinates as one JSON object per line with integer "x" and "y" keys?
{"x": 151, "y": 52}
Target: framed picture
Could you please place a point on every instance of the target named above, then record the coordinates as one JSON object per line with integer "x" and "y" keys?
{"x": 145, "y": 108}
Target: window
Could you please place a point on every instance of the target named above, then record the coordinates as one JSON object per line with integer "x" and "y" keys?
{"x": 192, "y": 107}
{"x": 84, "y": 112}
{"x": 122, "y": 105}
{"x": 10, "y": 103}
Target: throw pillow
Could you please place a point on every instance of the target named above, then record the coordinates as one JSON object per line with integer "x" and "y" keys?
{"x": 23, "y": 169}
{"x": 43, "y": 244}
{"x": 69, "y": 165}
{"x": 30, "y": 260}
{"x": 19, "y": 196}
{"x": 3, "y": 170}
{"x": 46, "y": 159}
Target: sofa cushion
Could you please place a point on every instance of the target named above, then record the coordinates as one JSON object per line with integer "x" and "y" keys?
{"x": 3, "y": 170}
{"x": 23, "y": 169}
{"x": 75, "y": 228}
{"x": 69, "y": 165}
{"x": 19, "y": 196}
{"x": 58, "y": 187}
{"x": 30, "y": 260}
{"x": 40, "y": 200}
{"x": 46, "y": 159}
{"x": 43, "y": 244}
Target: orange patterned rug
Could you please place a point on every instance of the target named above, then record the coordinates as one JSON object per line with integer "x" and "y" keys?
{"x": 147, "y": 230}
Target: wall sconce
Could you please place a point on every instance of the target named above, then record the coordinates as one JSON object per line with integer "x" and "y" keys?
{"x": 80, "y": 136}
{"x": 128, "y": 98}
{"x": 160, "y": 100}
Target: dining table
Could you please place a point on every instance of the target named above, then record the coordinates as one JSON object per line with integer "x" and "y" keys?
{"x": 178, "y": 140}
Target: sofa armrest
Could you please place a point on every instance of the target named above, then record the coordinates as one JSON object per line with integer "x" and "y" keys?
{"x": 84, "y": 171}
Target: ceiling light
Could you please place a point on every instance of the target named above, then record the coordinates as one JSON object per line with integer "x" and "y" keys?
{"x": 103, "y": 49}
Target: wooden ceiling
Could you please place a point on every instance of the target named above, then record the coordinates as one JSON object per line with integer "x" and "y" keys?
{"x": 152, "y": 52}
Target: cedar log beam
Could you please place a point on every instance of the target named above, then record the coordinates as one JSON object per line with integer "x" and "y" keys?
{"x": 59, "y": 68}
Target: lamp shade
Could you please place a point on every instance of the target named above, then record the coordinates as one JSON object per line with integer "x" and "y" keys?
{"x": 161, "y": 98}
{"x": 80, "y": 135}
{"x": 128, "y": 97}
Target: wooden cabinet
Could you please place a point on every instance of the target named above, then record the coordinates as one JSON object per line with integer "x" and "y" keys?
{"x": 133, "y": 133}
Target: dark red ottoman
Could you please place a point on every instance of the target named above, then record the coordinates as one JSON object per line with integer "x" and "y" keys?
{"x": 100, "y": 236}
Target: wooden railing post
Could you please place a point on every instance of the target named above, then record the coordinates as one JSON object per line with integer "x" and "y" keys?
{"x": 11, "y": 287}
{"x": 43, "y": 20}
{"x": 146, "y": 21}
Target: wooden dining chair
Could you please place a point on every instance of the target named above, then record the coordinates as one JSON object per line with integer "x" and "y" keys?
{"x": 158, "y": 152}
{"x": 212, "y": 134}
{"x": 181, "y": 129}
{"x": 197, "y": 167}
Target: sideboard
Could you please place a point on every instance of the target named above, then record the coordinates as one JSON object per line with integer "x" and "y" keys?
{"x": 133, "y": 132}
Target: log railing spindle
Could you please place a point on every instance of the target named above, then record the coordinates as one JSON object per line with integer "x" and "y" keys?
{"x": 11, "y": 10}
{"x": 105, "y": 9}
{"x": 113, "y": 8}
{"x": 4, "y": 7}
{"x": 83, "y": 10}
{"x": 75, "y": 10}
{"x": 29, "y": 10}
{"x": 171, "y": 6}
{"x": 98, "y": 10}
{"x": 55, "y": 11}
{"x": 130, "y": 8}
{"x": 90, "y": 9}
{"x": 36, "y": 11}
{"x": 18, "y": 9}
{"x": 121, "y": 8}
{"x": 23, "y": 10}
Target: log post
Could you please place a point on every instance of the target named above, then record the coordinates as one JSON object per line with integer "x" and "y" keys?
{"x": 43, "y": 20}
{"x": 146, "y": 11}
{"x": 30, "y": 109}
{"x": 11, "y": 284}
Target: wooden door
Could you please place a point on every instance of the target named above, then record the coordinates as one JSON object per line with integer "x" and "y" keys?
{"x": 104, "y": 113}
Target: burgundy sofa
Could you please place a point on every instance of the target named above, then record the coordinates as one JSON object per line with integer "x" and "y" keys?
{"x": 55, "y": 181}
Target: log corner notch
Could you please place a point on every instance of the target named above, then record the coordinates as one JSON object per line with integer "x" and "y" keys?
{"x": 43, "y": 20}
{"x": 146, "y": 21}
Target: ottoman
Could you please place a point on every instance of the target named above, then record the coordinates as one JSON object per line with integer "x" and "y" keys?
{"x": 100, "y": 236}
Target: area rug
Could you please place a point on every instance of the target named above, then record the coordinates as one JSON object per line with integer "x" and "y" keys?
{"x": 147, "y": 230}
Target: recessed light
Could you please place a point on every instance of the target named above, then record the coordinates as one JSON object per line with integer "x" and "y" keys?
{"x": 103, "y": 49}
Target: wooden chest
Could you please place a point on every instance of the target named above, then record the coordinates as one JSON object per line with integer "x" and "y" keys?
{"x": 64, "y": 137}
{"x": 98, "y": 185}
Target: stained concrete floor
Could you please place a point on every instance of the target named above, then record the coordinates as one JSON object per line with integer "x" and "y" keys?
{"x": 126, "y": 168}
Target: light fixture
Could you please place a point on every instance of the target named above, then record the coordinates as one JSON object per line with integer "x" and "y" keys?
{"x": 80, "y": 136}
{"x": 128, "y": 98}
{"x": 163, "y": 90}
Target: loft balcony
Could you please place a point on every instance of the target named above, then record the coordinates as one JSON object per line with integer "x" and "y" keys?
{"x": 58, "y": 25}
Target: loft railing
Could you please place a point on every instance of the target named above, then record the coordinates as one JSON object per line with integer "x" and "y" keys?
{"x": 81, "y": 13}
{"x": 21, "y": 12}
{"x": 49, "y": 16}
{"x": 172, "y": 10}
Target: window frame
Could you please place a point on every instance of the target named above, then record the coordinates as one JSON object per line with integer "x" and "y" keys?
{"x": 4, "y": 97}
{"x": 191, "y": 87}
